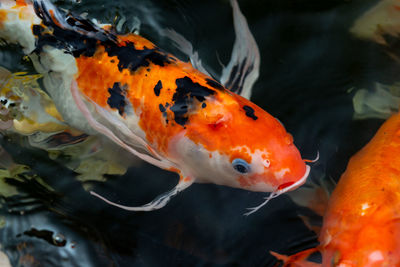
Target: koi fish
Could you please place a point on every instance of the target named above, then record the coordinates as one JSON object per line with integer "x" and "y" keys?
{"x": 26, "y": 110}
{"x": 24, "y": 106}
{"x": 159, "y": 108}
{"x": 361, "y": 223}
{"x": 361, "y": 226}
{"x": 379, "y": 22}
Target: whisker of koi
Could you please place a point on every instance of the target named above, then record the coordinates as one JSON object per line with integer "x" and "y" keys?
{"x": 272, "y": 195}
{"x": 312, "y": 160}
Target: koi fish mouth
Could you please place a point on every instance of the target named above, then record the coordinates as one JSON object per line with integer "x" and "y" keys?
{"x": 283, "y": 188}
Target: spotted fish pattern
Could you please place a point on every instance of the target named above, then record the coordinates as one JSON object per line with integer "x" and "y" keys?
{"x": 158, "y": 107}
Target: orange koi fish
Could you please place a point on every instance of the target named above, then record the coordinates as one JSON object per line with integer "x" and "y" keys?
{"x": 361, "y": 225}
{"x": 159, "y": 108}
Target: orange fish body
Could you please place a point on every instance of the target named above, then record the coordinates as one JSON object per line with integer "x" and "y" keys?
{"x": 361, "y": 226}
{"x": 159, "y": 108}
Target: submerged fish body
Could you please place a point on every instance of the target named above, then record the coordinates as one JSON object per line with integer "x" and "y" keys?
{"x": 157, "y": 107}
{"x": 361, "y": 224}
{"x": 24, "y": 107}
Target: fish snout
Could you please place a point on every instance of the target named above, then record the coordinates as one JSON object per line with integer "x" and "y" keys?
{"x": 291, "y": 171}
{"x": 292, "y": 184}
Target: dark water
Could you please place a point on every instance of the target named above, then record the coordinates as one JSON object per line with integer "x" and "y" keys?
{"x": 309, "y": 63}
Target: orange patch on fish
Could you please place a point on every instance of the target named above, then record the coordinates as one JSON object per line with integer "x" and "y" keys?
{"x": 3, "y": 17}
{"x": 20, "y": 3}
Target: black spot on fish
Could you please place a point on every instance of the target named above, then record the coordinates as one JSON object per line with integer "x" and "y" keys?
{"x": 74, "y": 35}
{"x": 37, "y": 29}
{"x": 164, "y": 112}
{"x": 162, "y": 108}
{"x": 45, "y": 235}
{"x": 78, "y": 36}
{"x": 3, "y": 101}
{"x": 250, "y": 112}
{"x": 157, "y": 88}
{"x": 214, "y": 84}
{"x": 203, "y": 105}
{"x": 131, "y": 58}
{"x": 183, "y": 98}
{"x": 117, "y": 98}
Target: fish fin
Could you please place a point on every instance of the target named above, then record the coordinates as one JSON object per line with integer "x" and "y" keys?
{"x": 243, "y": 69}
{"x": 379, "y": 22}
{"x": 159, "y": 202}
{"x": 297, "y": 260}
{"x": 5, "y": 75}
{"x": 186, "y": 48}
{"x": 380, "y": 103}
{"x": 159, "y": 162}
{"x": 58, "y": 140}
{"x": 314, "y": 195}
{"x": 122, "y": 25}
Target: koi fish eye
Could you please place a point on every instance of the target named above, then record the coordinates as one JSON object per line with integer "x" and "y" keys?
{"x": 241, "y": 166}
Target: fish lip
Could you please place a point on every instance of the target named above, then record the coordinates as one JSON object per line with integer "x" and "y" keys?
{"x": 300, "y": 182}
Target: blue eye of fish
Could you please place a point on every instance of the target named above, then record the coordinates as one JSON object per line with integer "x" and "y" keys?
{"x": 241, "y": 165}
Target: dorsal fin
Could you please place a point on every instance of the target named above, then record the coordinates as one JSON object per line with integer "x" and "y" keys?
{"x": 243, "y": 69}
{"x": 186, "y": 48}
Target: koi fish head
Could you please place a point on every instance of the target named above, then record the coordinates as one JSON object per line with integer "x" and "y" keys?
{"x": 240, "y": 145}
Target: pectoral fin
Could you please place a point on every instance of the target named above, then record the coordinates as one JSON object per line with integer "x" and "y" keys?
{"x": 99, "y": 127}
{"x": 159, "y": 202}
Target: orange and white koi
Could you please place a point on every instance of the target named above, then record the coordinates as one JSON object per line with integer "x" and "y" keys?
{"x": 157, "y": 107}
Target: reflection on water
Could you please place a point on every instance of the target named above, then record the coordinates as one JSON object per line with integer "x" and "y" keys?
{"x": 310, "y": 68}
